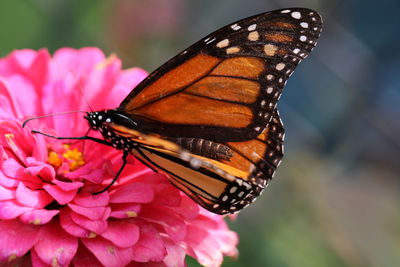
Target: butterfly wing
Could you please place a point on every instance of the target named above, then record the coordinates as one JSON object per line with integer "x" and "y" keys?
{"x": 225, "y": 87}
{"x": 221, "y": 186}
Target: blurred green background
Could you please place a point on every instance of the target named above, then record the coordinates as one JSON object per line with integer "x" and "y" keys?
{"x": 335, "y": 198}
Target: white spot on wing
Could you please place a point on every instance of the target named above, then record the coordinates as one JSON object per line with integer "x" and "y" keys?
{"x": 253, "y": 36}
{"x": 223, "y": 43}
{"x": 280, "y": 66}
{"x": 304, "y": 25}
{"x": 235, "y": 27}
{"x": 195, "y": 163}
{"x": 211, "y": 40}
{"x": 185, "y": 156}
{"x": 296, "y": 15}
{"x": 232, "y": 50}
{"x": 252, "y": 27}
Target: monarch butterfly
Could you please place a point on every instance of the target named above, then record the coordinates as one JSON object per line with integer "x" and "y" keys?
{"x": 208, "y": 118}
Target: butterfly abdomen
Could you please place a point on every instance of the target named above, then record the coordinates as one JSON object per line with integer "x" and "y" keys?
{"x": 204, "y": 148}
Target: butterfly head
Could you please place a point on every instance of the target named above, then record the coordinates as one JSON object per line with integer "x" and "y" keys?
{"x": 105, "y": 121}
{"x": 97, "y": 119}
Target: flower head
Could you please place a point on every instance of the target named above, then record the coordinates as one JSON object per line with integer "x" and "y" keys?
{"x": 48, "y": 215}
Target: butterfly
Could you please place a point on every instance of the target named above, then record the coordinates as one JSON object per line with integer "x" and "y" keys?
{"x": 208, "y": 117}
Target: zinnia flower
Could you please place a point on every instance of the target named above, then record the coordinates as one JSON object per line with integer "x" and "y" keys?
{"x": 47, "y": 214}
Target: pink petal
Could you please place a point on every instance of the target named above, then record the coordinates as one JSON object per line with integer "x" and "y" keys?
{"x": 39, "y": 152}
{"x": 38, "y": 70}
{"x": 55, "y": 246}
{"x": 3, "y": 155}
{"x": 94, "y": 213}
{"x": 129, "y": 79}
{"x": 7, "y": 182}
{"x": 227, "y": 242}
{"x": 10, "y": 107}
{"x": 166, "y": 194}
{"x": 70, "y": 226}
{"x": 101, "y": 81}
{"x": 80, "y": 61}
{"x": 11, "y": 209}
{"x": 36, "y": 260}
{"x": 18, "y": 140}
{"x": 87, "y": 172}
{"x": 16, "y": 86}
{"x": 95, "y": 176}
{"x": 188, "y": 208}
{"x": 97, "y": 226}
{"x": 61, "y": 196}
{"x": 136, "y": 192}
{"x": 107, "y": 253}
{"x": 125, "y": 210}
{"x": 13, "y": 169}
{"x": 45, "y": 171}
{"x": 12, "y": 143}
{"x": 6, "y": 194}
{"x": 85, "y": 169}
{"x": 89, "y": 200}
{"x": 173, "y": 225}
{"x": 175, "y": 254}
{"x": 85, "y": 258}
{"x": 204, "y": 247}
{"x": 68, "y": 186}
{"x": 22, "y": 59}
{"x": 150, "y": 246}
{"x": 38, "y": 217}
{"x": 122, "y": 234}
{"x": 16, "y": 238}
{"x": 32, "y": 198}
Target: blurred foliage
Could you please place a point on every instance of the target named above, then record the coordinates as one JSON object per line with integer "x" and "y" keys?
{"x": 334, "y": 200}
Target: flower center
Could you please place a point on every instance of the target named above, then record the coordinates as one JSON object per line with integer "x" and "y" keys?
{"x": 73, "y": 156}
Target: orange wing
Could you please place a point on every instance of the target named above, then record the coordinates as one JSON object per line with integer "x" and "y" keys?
{"x": 225, "y": 87}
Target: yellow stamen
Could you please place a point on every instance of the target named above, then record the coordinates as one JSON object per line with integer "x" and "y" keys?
{"x": 111, "y": 250}
{"x": 92, "y": 235}
{"x": 36, "y": 221}
{"x": 131, "y": 214}
{"x": 75, "y": 157}
{"x": 10, "y": 139}
{"x": 54, "y": 159}
{"x": 12, "y": 257}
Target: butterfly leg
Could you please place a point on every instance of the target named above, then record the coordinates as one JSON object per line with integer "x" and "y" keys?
{"x": 97, "y": 140}
{"x": 101, "y": 141}
{"x": 124, "y": 161}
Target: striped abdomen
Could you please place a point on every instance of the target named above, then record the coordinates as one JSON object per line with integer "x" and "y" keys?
{"x": 205, "y": 148}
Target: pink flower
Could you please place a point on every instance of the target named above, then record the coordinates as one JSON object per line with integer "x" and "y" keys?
{"x": 47, "y": 214}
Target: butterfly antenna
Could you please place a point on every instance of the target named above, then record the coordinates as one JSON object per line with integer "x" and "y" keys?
{"x": 50, "y": 115}
{"x": 81, "y": 88}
